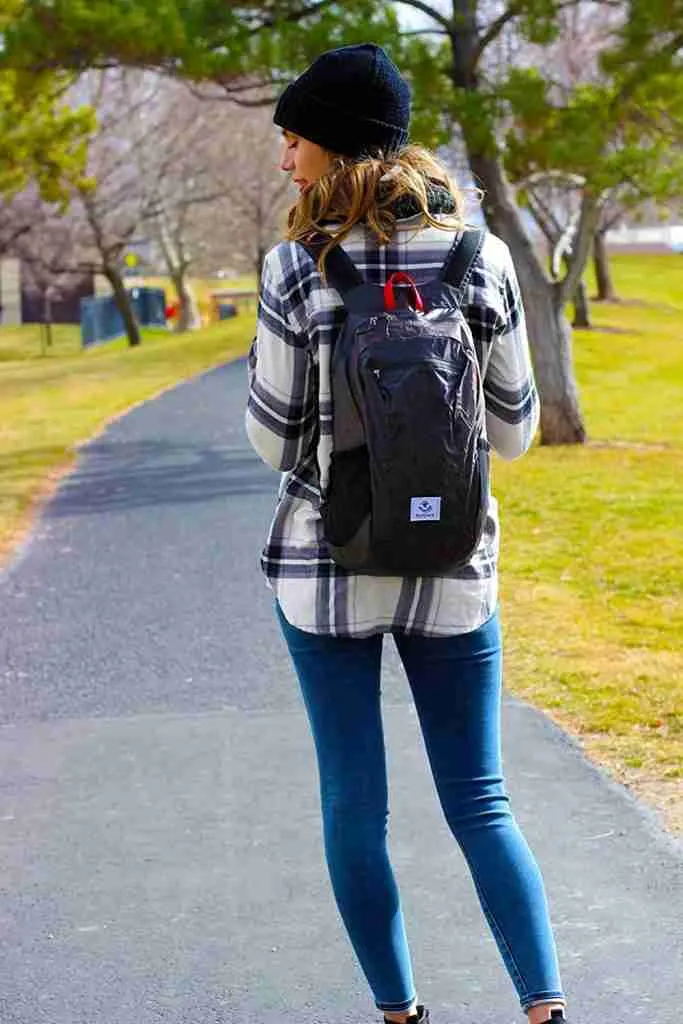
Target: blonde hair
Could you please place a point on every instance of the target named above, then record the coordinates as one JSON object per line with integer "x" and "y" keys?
{"x": 366, "y": 189}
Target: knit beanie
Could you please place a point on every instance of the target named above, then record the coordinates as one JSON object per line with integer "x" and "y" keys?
{"x": 351, "y": 100}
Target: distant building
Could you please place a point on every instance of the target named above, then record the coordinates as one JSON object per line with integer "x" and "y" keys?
{"x": 23, "y": 302}
{"x": 10, "y": 292}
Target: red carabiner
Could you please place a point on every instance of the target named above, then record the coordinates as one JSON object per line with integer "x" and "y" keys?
{"x": 401, "y": 278}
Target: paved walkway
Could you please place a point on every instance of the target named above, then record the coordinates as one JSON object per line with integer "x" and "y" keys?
{"x": 160, "y": 853}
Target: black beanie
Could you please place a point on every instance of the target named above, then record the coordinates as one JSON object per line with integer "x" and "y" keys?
{"x": 351, "y": 101}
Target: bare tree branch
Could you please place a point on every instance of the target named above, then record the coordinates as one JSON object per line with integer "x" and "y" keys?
{"x": 580, "y": 247}
{"x": 424, "y": 32}
{"x": 198, "y": 89}
{"x": 250, "y": 104}
{"x": 608, "y": 222}
{"x": 564, "y": 178}
{"x": 431, "y": 12}
{"x": 494, "y": 30}
{"x": 293, "y": 16}
{"x": 544, "y": 216}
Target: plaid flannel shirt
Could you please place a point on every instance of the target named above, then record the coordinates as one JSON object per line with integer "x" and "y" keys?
{"x": 289, "y": 423}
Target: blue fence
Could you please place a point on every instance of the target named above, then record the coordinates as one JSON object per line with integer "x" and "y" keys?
{"x": 101, "y": 320}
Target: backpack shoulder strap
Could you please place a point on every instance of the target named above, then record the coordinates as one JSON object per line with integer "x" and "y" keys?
{"x": 457, "y": 269}
{"x": 341, "y": 272}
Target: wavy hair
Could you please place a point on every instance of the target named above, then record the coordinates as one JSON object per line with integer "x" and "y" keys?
{"x": 367, "y": 189}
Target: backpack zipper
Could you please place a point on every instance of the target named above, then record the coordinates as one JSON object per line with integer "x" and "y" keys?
{"x": 447, "y": 364}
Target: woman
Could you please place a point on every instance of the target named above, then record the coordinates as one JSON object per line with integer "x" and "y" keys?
{"x": 392, "y": 207}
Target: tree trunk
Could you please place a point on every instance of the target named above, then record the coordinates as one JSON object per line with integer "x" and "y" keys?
{"x": 603, "y": 277}
{"x": 47, "y": 320}
{"x": 582, "y": 315}
{"x": 123, "y": 304}
{"x": 261, "y": 247}
{"x": 549, "y": 331}
{"x": 189, "y": 318}
{"x": 260, "y": 258}
{"x": 581, "y": 309}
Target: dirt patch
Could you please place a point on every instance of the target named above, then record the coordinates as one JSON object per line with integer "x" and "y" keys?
{"x": 22, "y": 530}
{"x": 664, "y": 795}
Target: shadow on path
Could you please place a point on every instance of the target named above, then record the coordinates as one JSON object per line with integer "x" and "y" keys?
{"x": 132, "y": 474}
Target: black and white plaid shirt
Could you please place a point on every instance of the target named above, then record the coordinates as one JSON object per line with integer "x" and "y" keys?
{"x": 289, "y": 423}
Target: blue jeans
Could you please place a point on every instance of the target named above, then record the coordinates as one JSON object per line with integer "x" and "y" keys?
{"x": 456, "y": 686}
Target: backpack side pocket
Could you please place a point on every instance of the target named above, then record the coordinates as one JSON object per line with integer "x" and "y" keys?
{"x": 347, "y": 499}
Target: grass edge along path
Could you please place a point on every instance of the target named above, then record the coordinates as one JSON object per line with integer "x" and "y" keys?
{"x": 52, "y": 406}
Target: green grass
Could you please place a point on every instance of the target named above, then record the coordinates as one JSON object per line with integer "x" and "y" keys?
{"x": 18, "y": 344}
{"x": 592, "y": 548}
{"x": 652, "y": 278}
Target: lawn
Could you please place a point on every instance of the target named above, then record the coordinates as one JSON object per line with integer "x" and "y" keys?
{"x": 592, "y": 548}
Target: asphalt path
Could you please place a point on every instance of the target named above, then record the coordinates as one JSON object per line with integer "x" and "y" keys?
{"x": 160, "y": 856}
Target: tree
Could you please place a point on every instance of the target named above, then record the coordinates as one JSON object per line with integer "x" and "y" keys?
{"x": 220, "y": 198}
{"x": 108, "y": 209}
{"x": 48, "y": 256}
{"x": 115, "y": 208}
{"x": 41, "y": 137}
{"x": 451, "y": 64}
{"x": 17, "y": 217}
{"x": 554, "y": 200}
{"x": 168, "y": 161}
{"x": 240, "y": 157}
{"x": 640, "y": 157}
{"x": 612, "y": 213}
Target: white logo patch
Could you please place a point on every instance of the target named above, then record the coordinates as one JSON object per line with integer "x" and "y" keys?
{"x": 425, "y": 510}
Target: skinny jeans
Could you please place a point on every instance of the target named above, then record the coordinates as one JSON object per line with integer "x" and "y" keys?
{"x": 456, "y": 685}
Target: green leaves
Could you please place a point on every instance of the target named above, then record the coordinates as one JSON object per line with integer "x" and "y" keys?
{"x": 651, "y": 37}
{"x": 538, "y": 21}
{"x": 545, "y": 135}
{"x": 76, "y": 34}
{"x": 41, "y": 138}
{"x": 623, "y": 124}
{"x": 425, "y": 65}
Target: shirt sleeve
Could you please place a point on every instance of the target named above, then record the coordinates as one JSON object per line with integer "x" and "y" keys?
{"x": 281, "y": 416}
{"x": 512, "y": 405}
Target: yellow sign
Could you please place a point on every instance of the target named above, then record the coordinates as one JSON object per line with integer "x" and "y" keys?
{"x": 131, "y": 259}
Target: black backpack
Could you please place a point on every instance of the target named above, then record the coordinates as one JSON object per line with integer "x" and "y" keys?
{"x": 409, "y": 476}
